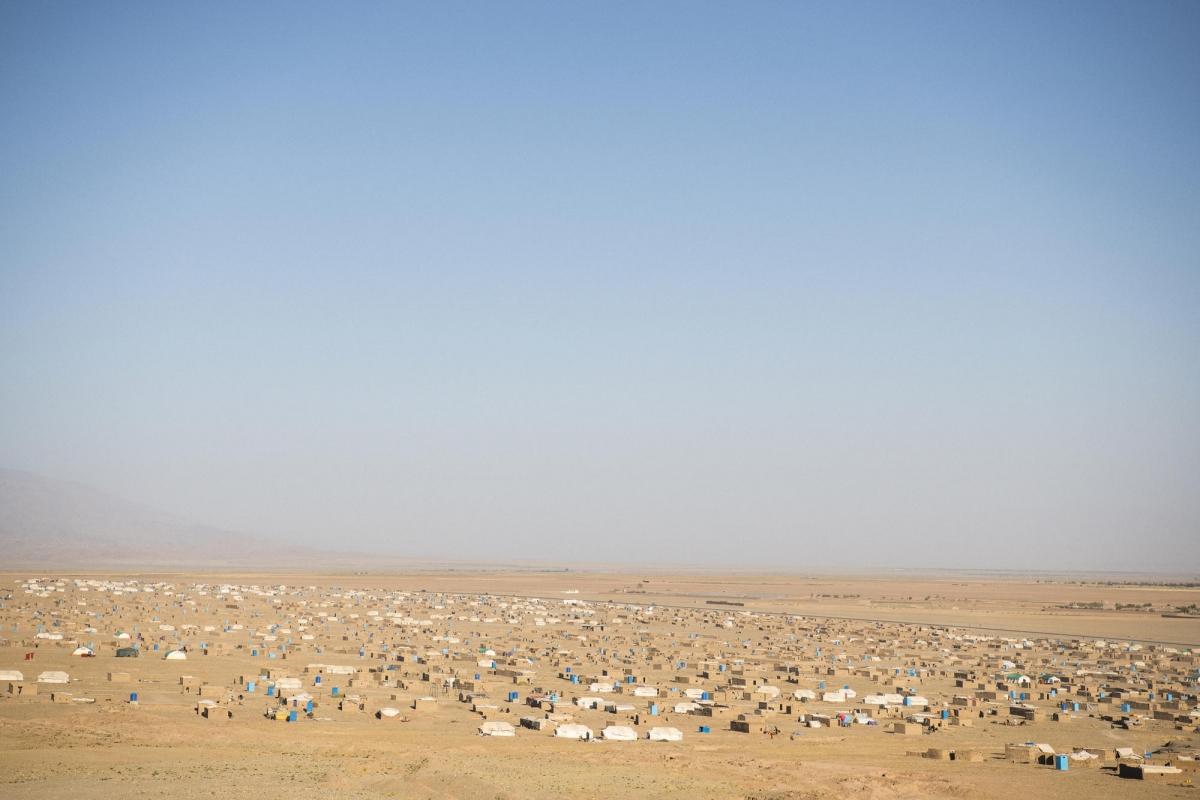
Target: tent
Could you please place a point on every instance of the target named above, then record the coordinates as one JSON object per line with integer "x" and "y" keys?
{"x": 86, "y": 652}
{"x": 665, "y": 735}
{"x": 54, "y": 676}
{"x": 176, "y": 655}
{"x": 11, "y": 675}
{"x": 497, "y": 728}
{"x": 573, "y": 731}
{"x": 619, "y": 733}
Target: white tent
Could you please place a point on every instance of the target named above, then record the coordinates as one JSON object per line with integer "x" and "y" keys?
{"x": 11, "y": 675}
{"x": 619, "y": 733}
{"x": 176, "y": 655}
{"x": 389, "y": 712}
{"x": 573, "y": 731}
{"x": 495, "y": 727}
{"x": 685, "y": 708}
{"x": 768, "y": 691}
{"x": 645, "y": 691}
{"x": 665, "y": 735}
{"x": 804, "y": 694}
{"x": 83, "y": 651}
{"x": 54, "y": 676}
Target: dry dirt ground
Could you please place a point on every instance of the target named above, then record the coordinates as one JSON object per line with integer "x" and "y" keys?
{"x": 60, "y": 751}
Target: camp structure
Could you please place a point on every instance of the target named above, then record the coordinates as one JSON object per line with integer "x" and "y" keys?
{"x": 495, "y": 727}
{"x": 54, "y": 676}
{"x": 665, "y": 735}
{"x": 619, "y": 733}
{"x": 573, "y": 731}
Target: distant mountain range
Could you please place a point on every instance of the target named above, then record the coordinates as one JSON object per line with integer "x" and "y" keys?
{"x": 51, "y": 523}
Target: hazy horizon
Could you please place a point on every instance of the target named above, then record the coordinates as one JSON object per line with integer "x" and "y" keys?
{"x": 799, "y": 285}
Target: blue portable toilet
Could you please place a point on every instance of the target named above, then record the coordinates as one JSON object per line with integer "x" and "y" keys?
{"x": 821, "y": 685}
{"x": 292, "y": 716}
{"x": 271, "y": 690}
{"x": 1060, "y": 762}
{"x": 706, "y": 695}
{"x": 1074, "y": 706}
{"x": 574, "y": 679}
{"x": 567, "y": 670}
{"x": 513, "y": 696}
{"x": 720, "y": 667}
{"x": 654, "y": 709}
{"x": 253, "y": 652}
{"x": 907, "y": 700}
{"x": 705, "y": 729}
{"x": 249, "y": 686}
{"x": 629, "y": 679}
{"x": 1126, "y": 708}
{"x": 335, "y": 691}
{"x": 133, "y": 697}
{"x": 156, "y": 645}
{"x": 317, "y": 680}
{"x": 476, "y": 676}
{"x": 945, "y": 713}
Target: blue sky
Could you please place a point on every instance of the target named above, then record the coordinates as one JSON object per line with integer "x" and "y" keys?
{"x": 760, "y": 283}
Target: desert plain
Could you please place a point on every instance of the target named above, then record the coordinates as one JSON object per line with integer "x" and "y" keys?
{"x": 520, "y": 683}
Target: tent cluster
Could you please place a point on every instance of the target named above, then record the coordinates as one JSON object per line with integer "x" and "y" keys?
{"x": 565, "y": 666}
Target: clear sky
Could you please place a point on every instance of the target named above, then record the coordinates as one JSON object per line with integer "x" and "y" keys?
{"x": 776, "y": 284}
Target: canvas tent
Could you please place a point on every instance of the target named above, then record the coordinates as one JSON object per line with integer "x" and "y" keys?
{"x": 665, "y": 735}
{"x": 573, "y": 731}
{"x": 495, "y": 727}
{"x": 619, "y": 733}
